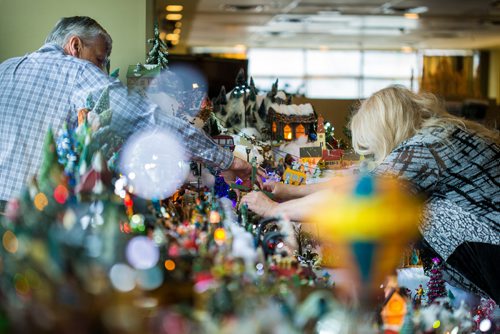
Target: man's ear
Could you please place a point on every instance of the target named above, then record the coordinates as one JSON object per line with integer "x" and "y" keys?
{"x": 74, "y": 46}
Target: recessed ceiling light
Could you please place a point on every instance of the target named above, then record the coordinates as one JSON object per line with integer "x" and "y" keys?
{"x": 174, "y": 8}
{"x": 412, "y": 16}
{"x": 406, "y": 49}
{"x": 172, "y": 37}
{"x": 173, "y": 17}
{"x": 240, "y": 48}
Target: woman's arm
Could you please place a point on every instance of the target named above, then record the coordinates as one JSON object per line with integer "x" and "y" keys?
{"x": 295, "y": 209}
{"x": 285, "y": 192}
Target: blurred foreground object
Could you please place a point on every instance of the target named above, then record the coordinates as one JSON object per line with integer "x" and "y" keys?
{"x": 366, "y": 231}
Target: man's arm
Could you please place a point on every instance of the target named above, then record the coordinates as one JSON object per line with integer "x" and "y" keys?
{"x": 132, "y": 113}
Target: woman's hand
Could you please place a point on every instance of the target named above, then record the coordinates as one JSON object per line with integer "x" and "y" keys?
{"x": 259, "y": 203}
{"x": 281, "y": 192}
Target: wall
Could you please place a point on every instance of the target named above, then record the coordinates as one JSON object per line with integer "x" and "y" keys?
{"x": 24, "y": 24}
{"x": 494, "y": 77}
{"x": 334, "y": 111}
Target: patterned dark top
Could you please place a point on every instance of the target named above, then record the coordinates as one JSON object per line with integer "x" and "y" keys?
{"x": 459, "y": 173}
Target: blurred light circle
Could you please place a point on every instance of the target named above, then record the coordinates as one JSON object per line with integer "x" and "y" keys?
{"x": 156, "y": 158}
{"x": 10, "y": 242}
{"x": 94, "y": 245}
{"x": 485, "y": 325}
{"x": 180, "y": 89}
{"x": 69, "y": 219}
{"x": 142, "y": 253}
{"x": 122, "y": 277}
{"x": 150, "y": 279}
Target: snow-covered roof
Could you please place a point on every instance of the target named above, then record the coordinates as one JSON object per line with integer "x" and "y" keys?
{"x": 281, "y": 94}
{"x": 293, "y": 109}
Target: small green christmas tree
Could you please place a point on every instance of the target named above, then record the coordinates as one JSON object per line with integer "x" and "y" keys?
{"x": 51, "y": 173}
{"x": 158, "y": 53}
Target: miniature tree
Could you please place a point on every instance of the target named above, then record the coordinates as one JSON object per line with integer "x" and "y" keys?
{"x": 241, "y": 87}
{"x": 435, "y": 287}
{"x": 240, "y": 78}
{"x": 158, "y": 53}
{"x": 253, "y": 91}
{"x": 51, "y": 172}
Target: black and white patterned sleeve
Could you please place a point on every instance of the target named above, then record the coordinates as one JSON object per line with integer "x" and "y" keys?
{"x": 416, "y": 164}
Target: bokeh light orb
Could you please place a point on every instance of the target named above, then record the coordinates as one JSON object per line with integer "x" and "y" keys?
{"x": 122, "y": 277}
{"x": 485, "y": 325}
{"x": 155, "y": 164}
{"x": 150, "y": 279}
{"x": 178, "y": 90}
{"x": 142, "y": 253}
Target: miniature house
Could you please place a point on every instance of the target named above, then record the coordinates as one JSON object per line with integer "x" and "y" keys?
{"x": 290, "y": 122}
{"x": 311, "y": 155}
{"x": 393, "y": 311}
{"x": 332, "y": 159}
{"x": 320, "y": 132}
{"x": 141, "y": 76}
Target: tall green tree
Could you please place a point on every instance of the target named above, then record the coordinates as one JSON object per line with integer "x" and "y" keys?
{"x": 158, "y": 53}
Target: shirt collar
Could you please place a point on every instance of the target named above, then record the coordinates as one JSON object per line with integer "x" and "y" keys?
{"x": 50, "y": 47}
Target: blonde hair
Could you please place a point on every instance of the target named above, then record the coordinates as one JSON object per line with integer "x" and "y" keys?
{"x": 395, "y": 113}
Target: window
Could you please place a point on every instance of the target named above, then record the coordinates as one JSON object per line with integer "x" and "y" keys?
{"x": 321, "y": 63}
{"x": 332, "y": 88}
{"x": 347, "y": 74}
{"x": 300, "y": 131}
{"x": 287, "y": 132}
{"x": 276, "y": 62}
{"x": 388, "y": 64}
{"x": 274, "y": 127}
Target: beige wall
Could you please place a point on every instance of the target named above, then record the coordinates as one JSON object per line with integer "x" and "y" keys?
{"x": 334, "y": 111}
{"x": 494, "y": 77}
{"x": 24, "y": 24}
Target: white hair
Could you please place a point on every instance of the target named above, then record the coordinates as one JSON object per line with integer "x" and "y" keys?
{"x": 82, "y": 26}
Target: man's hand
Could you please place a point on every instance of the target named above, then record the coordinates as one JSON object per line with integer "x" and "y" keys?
{"x": 243, "y": 170}
{"x": 259, "y": 203}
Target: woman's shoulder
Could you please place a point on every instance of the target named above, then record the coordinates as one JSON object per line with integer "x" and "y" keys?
{"x": 429, "y": 136}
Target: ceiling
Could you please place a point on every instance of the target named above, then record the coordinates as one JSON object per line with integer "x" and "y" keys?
{"x": 230, "y": 26}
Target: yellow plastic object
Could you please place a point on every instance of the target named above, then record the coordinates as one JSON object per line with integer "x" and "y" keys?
{"x": 366, "y": 230}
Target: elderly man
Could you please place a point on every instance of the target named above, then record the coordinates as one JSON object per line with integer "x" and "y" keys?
{"x": 46, "y": 88}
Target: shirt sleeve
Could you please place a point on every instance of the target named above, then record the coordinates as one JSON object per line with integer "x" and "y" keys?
{"x": 413, "y": 163}
{"x": 132, "y": 112}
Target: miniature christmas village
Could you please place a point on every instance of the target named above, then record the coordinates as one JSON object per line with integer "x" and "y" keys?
{"x": 88, "y": 248}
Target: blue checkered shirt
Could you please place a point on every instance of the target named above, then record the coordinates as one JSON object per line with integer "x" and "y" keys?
{"x": 46, "y": 88}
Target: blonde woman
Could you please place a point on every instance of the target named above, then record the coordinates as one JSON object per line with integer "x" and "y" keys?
{"x": 454, "y": 162}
